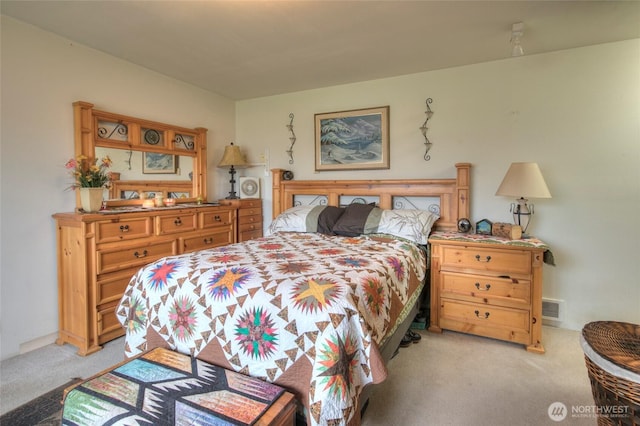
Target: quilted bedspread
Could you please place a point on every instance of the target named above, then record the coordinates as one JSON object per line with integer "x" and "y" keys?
{"x": 304, "y": 310}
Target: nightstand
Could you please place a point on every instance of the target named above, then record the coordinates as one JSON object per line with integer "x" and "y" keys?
{"x": 487, "y": 286}
{"x": 249, "y": 216}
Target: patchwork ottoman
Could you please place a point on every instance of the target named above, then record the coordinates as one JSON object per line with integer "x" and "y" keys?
{"x": 162, "y": 387}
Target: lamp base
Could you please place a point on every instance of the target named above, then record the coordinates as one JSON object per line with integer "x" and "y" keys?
{"x": 522, "y": 214}
{"x": 232, "y": 193}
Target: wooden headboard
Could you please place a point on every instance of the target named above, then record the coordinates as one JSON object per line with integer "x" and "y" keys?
{"x": 453, "y": 193}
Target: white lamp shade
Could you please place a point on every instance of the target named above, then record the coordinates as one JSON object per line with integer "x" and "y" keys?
{"x": 524, "y": 180}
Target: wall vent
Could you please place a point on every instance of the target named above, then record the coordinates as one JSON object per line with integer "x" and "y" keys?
{"x": 552, "y": 310}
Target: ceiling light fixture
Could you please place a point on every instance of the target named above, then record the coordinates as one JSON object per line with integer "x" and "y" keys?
{"x": 517, "y": 31}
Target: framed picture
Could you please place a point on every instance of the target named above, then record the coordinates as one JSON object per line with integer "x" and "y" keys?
{"x": 484, "y": 227}
{"x": 159, "y": 163}
{"x": 352, "y": 140}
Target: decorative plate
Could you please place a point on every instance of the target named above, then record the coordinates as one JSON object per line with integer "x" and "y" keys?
{"x": 287, "y": 175}
{"x": 152, "y": 137}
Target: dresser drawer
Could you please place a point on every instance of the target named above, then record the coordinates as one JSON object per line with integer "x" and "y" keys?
{"x": 489, "y": 289}
{"x": 172, "y": 224}
{"x": 248, "y": 220}
{"x": 250, "y": 212}
{"x": 490, "y": 321}
{"x": 120, "y": 230}
{"x": 250, "y": 226}
{"x": 216, "y": 218}
{"x": 248, "y": 203}
{"x": 109, "y": 327}
{"x": 112, "y": 286}
{"x": 118, "y": 258}
{"x": 250, "y": 235}
{"x": 209, "y": 240}
{"x": 481, "y": 259}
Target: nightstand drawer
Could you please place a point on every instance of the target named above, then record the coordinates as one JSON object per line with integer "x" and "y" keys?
{"x": 488, "y": 288}
{"x": 476, "y": 314}
{"x": 481, "y": 259}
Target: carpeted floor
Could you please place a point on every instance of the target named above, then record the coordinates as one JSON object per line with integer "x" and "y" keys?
{"x": 446, "y": 379}
{"x": 46, "y": 410}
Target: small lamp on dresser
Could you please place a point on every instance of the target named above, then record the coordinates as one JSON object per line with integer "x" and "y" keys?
{"x": 232, "y": 159}
{"x": 523, "y": 180}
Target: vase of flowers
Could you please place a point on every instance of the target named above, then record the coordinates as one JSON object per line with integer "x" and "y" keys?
{"x": 91, "y": 179}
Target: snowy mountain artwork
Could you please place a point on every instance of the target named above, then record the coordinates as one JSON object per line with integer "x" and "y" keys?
{"x": 357, "y": 139}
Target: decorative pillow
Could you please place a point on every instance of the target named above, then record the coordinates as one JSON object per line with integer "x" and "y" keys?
{"x": 297, "y": 219}
{"x": 357, "y": 219}
{"x": 414, "y": 225}
{"x": 328, "y": 218}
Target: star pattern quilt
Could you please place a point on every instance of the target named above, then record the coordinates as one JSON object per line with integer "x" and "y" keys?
{"x": 306, "y": 311}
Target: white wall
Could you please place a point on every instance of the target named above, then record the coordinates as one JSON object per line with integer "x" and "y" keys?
{"x": 575, "y": 112}
{"x": 42, "y": 75}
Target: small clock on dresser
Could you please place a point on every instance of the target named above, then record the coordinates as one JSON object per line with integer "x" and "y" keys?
{"x": 464, "y": 225}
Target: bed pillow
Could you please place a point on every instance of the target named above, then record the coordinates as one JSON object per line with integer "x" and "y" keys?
{"x": 316, "y": 218}
{"x": 328, "y": 218}
{"x": 297, "y": 219}
{"x": 357, "y": 219}
{"x": 364, "y": 219}
{"x": 414, "y": 225}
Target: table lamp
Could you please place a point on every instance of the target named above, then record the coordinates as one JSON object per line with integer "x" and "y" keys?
{"x": 523, "y": 180}
{"x": 232, "y": 159}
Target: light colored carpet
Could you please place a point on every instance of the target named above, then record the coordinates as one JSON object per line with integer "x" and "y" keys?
{"x": 446, "y": 379}
{"x": 459, "y": 379}
{"x": 34, "y": 373}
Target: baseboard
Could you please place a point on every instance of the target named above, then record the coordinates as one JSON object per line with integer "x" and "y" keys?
{"x": 38, "y": 343}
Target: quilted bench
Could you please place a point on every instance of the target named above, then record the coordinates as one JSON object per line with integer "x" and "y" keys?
{"x": 162, "y": 387}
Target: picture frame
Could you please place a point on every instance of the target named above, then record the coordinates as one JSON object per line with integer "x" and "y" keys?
{"x": 352, "y": 140}
{"x": 155, "y": 163}
{"x": 483, "y": 227}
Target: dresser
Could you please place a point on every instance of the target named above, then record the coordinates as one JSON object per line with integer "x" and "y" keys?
{"x": 488, "y": 286}
{"x": 99, "y": 253}
{"x": 249, "y": 217}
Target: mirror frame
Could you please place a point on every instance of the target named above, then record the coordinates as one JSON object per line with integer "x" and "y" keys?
{"x": 86, "y": 138}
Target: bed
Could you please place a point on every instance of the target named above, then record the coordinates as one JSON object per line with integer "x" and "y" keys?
{"x": 319, "y": 304}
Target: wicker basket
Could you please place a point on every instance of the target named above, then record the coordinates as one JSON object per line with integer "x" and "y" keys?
{"x": 612, "y": 356}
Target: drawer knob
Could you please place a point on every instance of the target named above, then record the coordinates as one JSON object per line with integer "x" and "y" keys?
{"x": 177, "y": 222}
{"x": 486, "y": 287}
{"x": 217, "y": 218}
{"x": 488, "y": 259}
{"x": 138, "y": 255}
{"x": 124, "y": 228}
{"x": 486, "y": 315}
{"x": 208, "y": 240}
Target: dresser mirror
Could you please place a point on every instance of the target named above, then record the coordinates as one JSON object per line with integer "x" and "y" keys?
{"x": 148, "y": 158}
